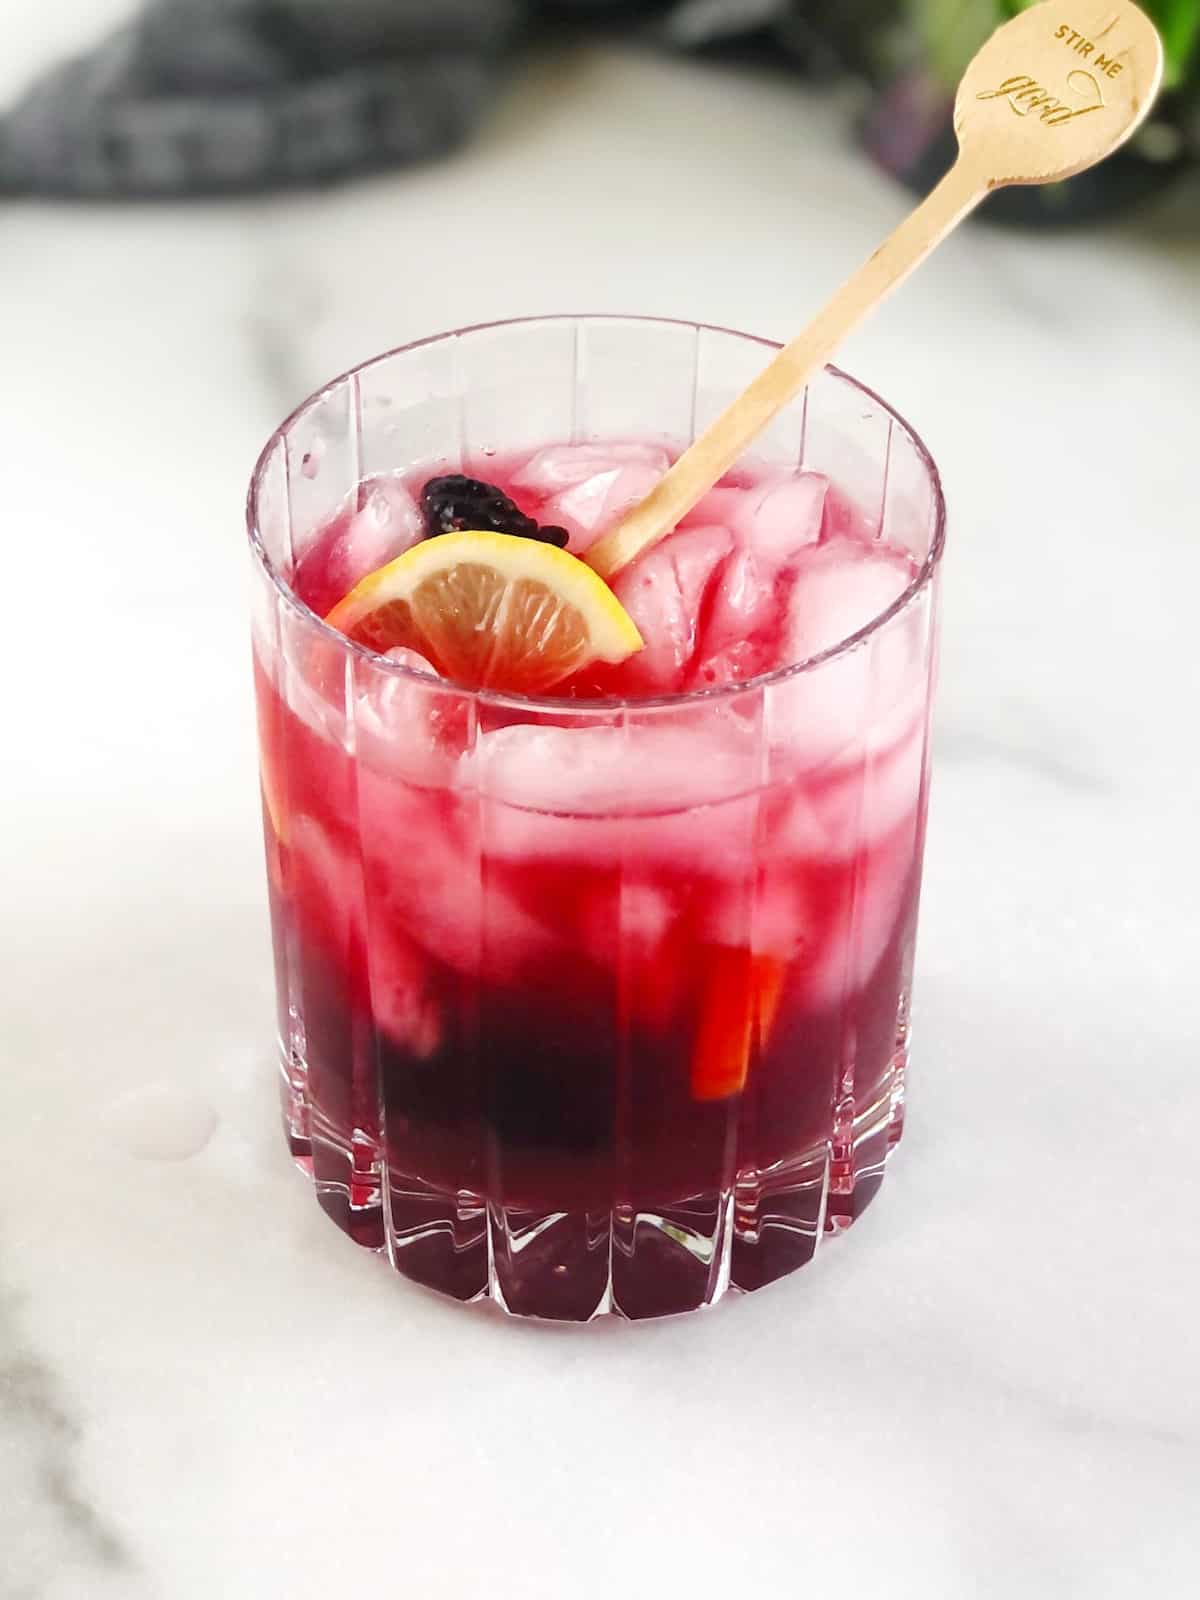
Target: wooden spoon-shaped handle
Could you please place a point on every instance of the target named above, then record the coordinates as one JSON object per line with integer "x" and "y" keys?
{"x": 1053, "y": 91}
{"x": 716, "y": 450}
{"x": 1058, "y": 89}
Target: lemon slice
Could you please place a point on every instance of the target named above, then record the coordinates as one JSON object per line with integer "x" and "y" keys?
{"x": 741, "y": 994}
{"x": 490, "y": 611}
{"x": 272, "y": 803}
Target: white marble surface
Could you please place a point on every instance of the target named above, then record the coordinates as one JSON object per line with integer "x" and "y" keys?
{"x": 988, "y": 1389}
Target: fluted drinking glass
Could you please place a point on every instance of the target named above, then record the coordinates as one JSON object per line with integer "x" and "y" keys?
{"x": 647, "y": 1044}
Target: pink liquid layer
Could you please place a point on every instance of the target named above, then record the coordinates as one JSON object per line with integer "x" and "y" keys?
{"x": 639, "y": 1006}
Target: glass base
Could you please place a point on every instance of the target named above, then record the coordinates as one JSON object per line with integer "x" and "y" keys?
{"x": 574, "y": 1266}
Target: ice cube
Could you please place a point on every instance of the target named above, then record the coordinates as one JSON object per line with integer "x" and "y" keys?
{"x": 326, "y": 880}
{"x": 839, "y": 588}
{"x": 893, "y": 789}
{"x": 606, "y": 771}
{"x": 744, "y": 605}
{"x": 664, "y": 592}
{"x": 745, "y": 621}
{"x": 403, "y": 998}
{"x": 409, "y": 726}
{"x": 726, "y": 506}
{"x": 864, "y": 705}
{"x": 388, "y": 524}
{"x": 633, "y": 927}
{"x": 782, "y": 517}
{"x": 793, "y": 828}
{"x": 738, "y": 663}
{"x": 771, "y": 913}
{"x": 313, "y": 678}
{"x": 638, "y": 915}
{"x": 424, "y": 873}
{"x": 559, "y": 466}
{"x": 851, "y": 947}
{"x": 827, "y": 713}
{"x": 647, "y": 914}
{"x": 589, "y": 508}
{"x": 775, "y": 524}
{"x": 667, "y": 794}
{"x": 776, "y": 517}
{"x": 580, "y": 509}
{"x": 818, "y": 718}
{"x": 514, "y": 940}
{"x": 362, "y": 539}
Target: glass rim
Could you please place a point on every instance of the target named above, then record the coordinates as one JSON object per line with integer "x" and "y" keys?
{"x": 551, "y": 704}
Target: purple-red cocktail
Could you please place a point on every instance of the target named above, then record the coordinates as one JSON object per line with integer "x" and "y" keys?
{"x": 599, "y": 1001}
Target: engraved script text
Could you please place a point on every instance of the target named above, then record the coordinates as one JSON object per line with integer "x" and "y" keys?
{"x": 1027, "y": 97}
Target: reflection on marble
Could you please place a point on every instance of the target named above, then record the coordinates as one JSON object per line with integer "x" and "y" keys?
{"x": 988, "y": 1389}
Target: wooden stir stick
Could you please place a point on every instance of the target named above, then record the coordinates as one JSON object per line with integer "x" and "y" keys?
{"x": 1053, "y": 91}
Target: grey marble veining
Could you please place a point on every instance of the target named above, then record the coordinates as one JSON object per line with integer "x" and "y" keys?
{"x": 984, "y": 749}
{"x": 45, "y": 1516}
{"x": 987, "y": 1390}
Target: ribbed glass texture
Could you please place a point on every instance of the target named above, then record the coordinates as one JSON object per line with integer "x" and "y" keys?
{"x": 631, "y": 1050}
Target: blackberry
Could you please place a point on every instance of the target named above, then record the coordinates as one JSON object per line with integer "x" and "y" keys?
{"x": 454, "y": 502}
{"x": 551, "y": 533}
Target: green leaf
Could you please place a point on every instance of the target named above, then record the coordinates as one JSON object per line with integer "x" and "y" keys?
{"x": 1179, "y": 23}
{"x": 953, "y": 30}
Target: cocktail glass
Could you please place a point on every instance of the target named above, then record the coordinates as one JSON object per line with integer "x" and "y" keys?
{"x": 602, "y": 1005}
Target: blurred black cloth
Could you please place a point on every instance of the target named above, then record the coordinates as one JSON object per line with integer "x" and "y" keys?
{"x": 221, "y": 96}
